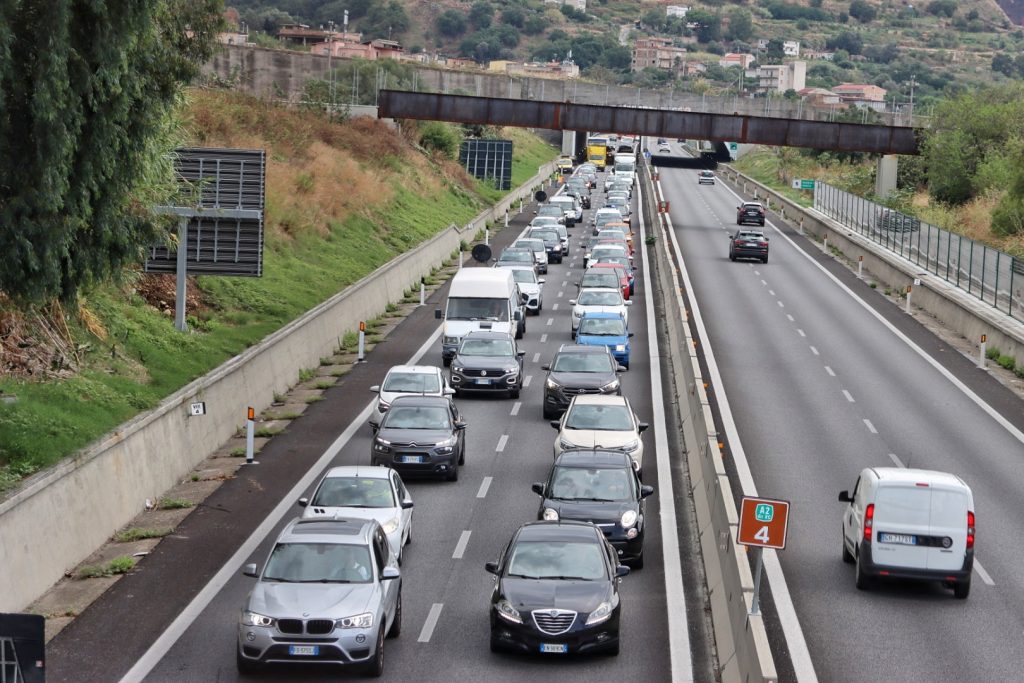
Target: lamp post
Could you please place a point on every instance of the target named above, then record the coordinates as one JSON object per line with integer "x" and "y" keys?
{"x": 912, "y": 82}
{"x": 330, "y": 53}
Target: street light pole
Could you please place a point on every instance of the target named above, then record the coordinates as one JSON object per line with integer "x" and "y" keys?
{"x": 330, "y": 53}
{"x": 912, "y": 80}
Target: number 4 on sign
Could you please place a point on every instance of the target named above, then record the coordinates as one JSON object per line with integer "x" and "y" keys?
{"x": 762, "y": 535}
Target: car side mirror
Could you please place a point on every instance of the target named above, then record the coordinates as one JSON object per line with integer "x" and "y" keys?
{"x": 546, "y": 368}
{"x": 541, "y": 281}
{"x": 572, "y": 302}
{"x": 438, "y": 314}
{"x": 448, "y": 391}
{"x": 556, "y": 424}
{"x": 621, "y": 570}
{"x": 375, "y": 389}
{"x": 538, "y": 488}
{"x": 491, "y": 567}
{"x": 374, "y": 427}
{"x": 738, "y": 208}
{"x": 621, "y": 368}
{"x": 627, "y": 303}
{"x": 524, "y": 298}
{"x": 844, "y": 497}
{"x": 520, "y": 353}
{"x": 302, "y": 502}
{"x": 642, "y": 427}
{"x": 250, "y": 570}
{"x": 630, "y": 334}
{"x": 407, "y": 504}
{"x": 390, "y": 573}
{"x": 460, "y": 424}
{"x": 646, "y": 490}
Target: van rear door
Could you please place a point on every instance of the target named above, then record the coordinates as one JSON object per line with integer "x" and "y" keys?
{"x": 902, "y": 515}
{"x": 948, "y": 521}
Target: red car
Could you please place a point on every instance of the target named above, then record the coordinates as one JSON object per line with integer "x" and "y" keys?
{"x": 621, "y": 272}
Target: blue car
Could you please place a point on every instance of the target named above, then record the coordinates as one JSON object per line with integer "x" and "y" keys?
{"x": 606, "y": 329}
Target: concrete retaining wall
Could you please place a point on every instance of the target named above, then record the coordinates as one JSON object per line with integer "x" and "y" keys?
{"x": 741, "y": 641}
{"x": 955, "y": 308}
{"x": 60, "y": 516}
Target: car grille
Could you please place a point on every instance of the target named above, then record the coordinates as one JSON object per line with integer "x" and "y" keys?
{"x": 470, "y": 372}
{"x": 553, "y": 621}
{"x": 289, "y": 625}
{"x": 319, "y": 626}
{"x": 312, "y": 627}
{"x": 572, "y": 391}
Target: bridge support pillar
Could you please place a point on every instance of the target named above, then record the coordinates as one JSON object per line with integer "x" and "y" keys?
{"x": 569, "y": 143}
{"x": 885, "y": 175}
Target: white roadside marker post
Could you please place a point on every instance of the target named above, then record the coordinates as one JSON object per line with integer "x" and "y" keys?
{"x": 250, "y": 437}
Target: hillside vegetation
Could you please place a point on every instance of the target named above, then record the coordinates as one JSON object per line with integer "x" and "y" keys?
{"x": 342, "y": 198}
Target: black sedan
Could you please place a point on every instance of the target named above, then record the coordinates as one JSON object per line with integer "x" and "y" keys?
{"x": 748, "y": 244}
{"x": 421, "y": 435}
{"x": 579, "y": 369}
{"x": 557, "y": 591}
{"x": 488, "y": 361}
{"x": 599, "y": 487}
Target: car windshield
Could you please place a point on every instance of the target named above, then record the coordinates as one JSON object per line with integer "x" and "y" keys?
{"x": 582, "y": 362}
{"x": 416, "y": 417}
{"x": 616, "y": 201}
{"x": 544, "y": 235}
{"x": 412, "y": 382}
{"x": 466, "y": 308}
{"x": 549, "y": 210}
{"x": 611, "y": 234}
{"x": 608, "y": 218}
{"x": 602, "y": 251}
{"x": 593, "y": 279}
{"x": 595, "y": 298}
{"x": 591, "y": 483}
{"x": 524, "y": 255}
{"x": 486, "y": 347}
{"x": 319, "y": 563}
{"x": 524, "y": 276}
{"x": 354, "y": 492}
{"x": 602, "y": 327}
{"x": 557, "y": 560}
{"x": 532, "y": 245}
{"x": 544, "y": 220}
{"x": 611, "y": 418}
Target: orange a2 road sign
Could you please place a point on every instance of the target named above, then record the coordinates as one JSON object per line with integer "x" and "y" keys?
{"x": 763, "y": 522}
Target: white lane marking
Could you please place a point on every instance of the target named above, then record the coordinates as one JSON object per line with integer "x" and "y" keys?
{"x": 756, "y": 272}
{"x": 162, "y": 645}
{"x": 763, "y": 283}
{"x": 502, "y": 442}
{"x": 678, "y": 629}
{"x": 791, "y": 318}
{"x": 871, "y": 427}
{"x": 815, "y": 351}
{"x": 551, "y": 321}
{"x": 561, "y": 294}
{"x": 772, "y": 292}
{"x": 977, "y": 400}
{"x": 896, "y": 460}
{"x": 830, "y": 371}
{"x": 515, "y": 408}
{"x": 543, "y": 338}
{"x": 536, "y": 357}
{"x": 430, "y": 623}
{"x": 564, "y": 283}
{"x": 801, "y": 333}
{"x": 484, "y": 485}
{"x": 554, "y": 307}
{"x": 460, "y": 547}
{"x": 799, "y": 654}
{"x": 983, "y": 574}
{"x": 527, "y": 380}
{"x": 781, "y": 305}
{"x": 849, "y": 396}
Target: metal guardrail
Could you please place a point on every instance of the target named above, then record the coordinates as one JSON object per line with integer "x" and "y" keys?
{"x": 993, "y": 276}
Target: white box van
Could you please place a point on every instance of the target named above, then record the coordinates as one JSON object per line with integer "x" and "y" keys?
{"x": 571, "y": 208}
{"x": 480, "y": 299}
{"x": 915, "y": 524}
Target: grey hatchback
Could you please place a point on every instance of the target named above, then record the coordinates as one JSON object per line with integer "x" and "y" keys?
{"x": 328, "y": 594}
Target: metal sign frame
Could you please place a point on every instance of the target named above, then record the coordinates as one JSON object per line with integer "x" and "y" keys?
{"x": 489, "y": 158}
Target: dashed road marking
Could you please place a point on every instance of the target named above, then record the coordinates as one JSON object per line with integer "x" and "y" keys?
{"x": 896, "y": 461}
{"x": 561, "y": 294}
{"x": 983, "y": 574}
{"x": 527, "y": 380}
{"x": 871, "y": 427}
{"x": 551, "y": 321}
{"x": 772, "y": 292}
{"x": 764, "y": 283}
{"x": 801, "y": 333}
{"x": 781, "y": 305}
{"x": 554, "y": 307}
{"x": 484, "y": 485}
{"x": 536, "y": 357}
{"x": 515, "y": 408}
{"x": 564, "y": 283}
{"x": 460, "y": 547}
{"x": 431, "y": 622}
{"x": 543, "y": 338}
{"x": 830, "y": 371}
{"x": 815, "y": 351}
{"x": 849, "y": 396}
{"x": 791, "y": 318}
{"x": 502, "y": 442}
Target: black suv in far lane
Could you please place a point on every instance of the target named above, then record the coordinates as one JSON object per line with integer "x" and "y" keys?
{"x": 579, "y": 369}
{"x": 750, "y": 212}
{"x": 599, "y": 487}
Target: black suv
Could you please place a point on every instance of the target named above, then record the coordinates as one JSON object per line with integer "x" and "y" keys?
{"x": 600, "y": 487}
{"x": 748, "y": 244}
{"x": 421, "y": 435}
{"x": 488, "y": 361}
{"x": 578, "y": 369}
{"x": 552, "y": 242}
{"x": 750, "y": 212}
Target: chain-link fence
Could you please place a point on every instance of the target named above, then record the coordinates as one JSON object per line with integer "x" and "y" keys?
{"x": 995, "y": 277}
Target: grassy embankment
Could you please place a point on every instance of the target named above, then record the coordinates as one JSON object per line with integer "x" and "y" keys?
{"x": 342, "y": 199}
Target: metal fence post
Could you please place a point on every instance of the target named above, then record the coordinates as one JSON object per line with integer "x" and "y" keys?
{"x": 995, "y": 287}
{"x": 984, "y": 254}
{"x": 970, "y": 269}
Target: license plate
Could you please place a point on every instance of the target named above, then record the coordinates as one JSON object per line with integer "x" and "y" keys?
{"x": 483, "y": 381}
{"x": 899, "y": 539}
{"x": 410, "y": 458}
{"x": 304, "y": 650}
{"x": 554, "y": 647}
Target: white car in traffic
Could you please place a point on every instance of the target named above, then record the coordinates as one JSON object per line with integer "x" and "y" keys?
{"x": 601, "y": 421}
{"x": 598, "y": 300}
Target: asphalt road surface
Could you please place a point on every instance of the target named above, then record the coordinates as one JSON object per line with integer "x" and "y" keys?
{"x": 820, "y": 387}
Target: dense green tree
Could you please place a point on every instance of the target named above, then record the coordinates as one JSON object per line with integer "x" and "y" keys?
{"x": 942, "y": 8}
{"x": 480, "y": 14}
{"x": 451, "y": 23}
{"x": 86, "y": 93}
{"x": 774, "y": 54}
{"x": 1004, "y": 64}
{"x": 385, "y": 20}
{"x": 513, "y": 16}
{"x": 617, "y": 58}
{"x": 846, "y": 40}
{"x": 535, "y": 25}
{"x": 863, "y": 11}
{"x": 709, "y": 26}
{"x": 741, "y": 24}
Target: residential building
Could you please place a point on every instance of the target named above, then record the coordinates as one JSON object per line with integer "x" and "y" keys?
{"x": 820, "y": 97}
{"x": 301, "y": 34}
{"x": 676, "y": 11}
{"x": 791, "y": 48}
{"x": 378, "y": 48}
{"x": 740, "y": 59}
{"x": 693, "y": 69}
{"x": 861, "y": 95}
{"x": 658, "y": 53}
{"x": 819, "y": 54}
{"x": 782, "y": 77}
{"x": 579, "y": 5}
{"x": 762, "y": 43}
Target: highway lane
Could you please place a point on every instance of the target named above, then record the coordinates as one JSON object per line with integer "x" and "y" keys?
{"x": 509, "y": 447}
{"x": 821, "y": 388}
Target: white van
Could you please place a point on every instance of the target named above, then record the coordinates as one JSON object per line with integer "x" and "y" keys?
{"x": 571, "y": 208}
{"x": 623, "y": 169}
{"x": 480, "y": 299}
{"x": 915, "y": 524}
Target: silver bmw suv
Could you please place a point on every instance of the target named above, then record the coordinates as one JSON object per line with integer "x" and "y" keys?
{"x": 328, "y": 594}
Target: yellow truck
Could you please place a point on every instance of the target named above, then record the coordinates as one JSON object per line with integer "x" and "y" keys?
{"x": 597, "y": 152}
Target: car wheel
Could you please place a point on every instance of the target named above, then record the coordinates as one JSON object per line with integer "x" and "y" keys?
{"x": 732, "y": 257}
{"x": 446, "y": 362}
{"x": 457, "y": 392}
{"x": 847, "y": 555}
{"x": 548, "y": 415}
{"x": 613, "y": 650}
{"x": 863, "y": 580}
{"x": 376, "y": 667}
{"x": 453, "y": 473}
{"x": 764, "y": 260}
{"x": 961, "y": 589}
{"x": 513, "y": 393}
{"x": 245, "y": 665}
{"x": 520, "y": 331}
{"x": 638, "y": 563}
{"x": 396, "y": 623}
{"x": 462, "y": 455}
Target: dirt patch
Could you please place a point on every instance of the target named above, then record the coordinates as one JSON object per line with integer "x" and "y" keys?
{"x": 36, "y": 344}
{"x": 159, "y": 291}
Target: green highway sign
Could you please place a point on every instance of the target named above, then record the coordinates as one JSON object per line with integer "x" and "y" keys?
{"x": 764, "y": 512}
{"x": 803, "y": 184}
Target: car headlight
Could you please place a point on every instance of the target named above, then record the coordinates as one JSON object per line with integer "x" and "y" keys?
{"x": 507, "y": 611}
{"x": 631, "y": 446}
{"x": 381, "y": 445}
{"x": 253, "y": 619}
{"x": 611, "y": 386}
{"x": 620, "y": 347}
{"x": 445, "y": 447}
{"x": 391, "y": 526}
{"x": 564, "y": 443}
{"x": 364, "y": 620}
{"x": 628, "y": 519}
{"x": 558, "y": 247}
{"x": 450, "y": 340}
{"x": 458, "y": 369}
{"x": 552, "y": 385}
{"x": 382, "y": 406}
{"x": 551, "y": 514}
{"x": 603, "y": 611}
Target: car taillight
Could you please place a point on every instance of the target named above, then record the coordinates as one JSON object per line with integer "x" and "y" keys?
{"x": 869, "y": 520}
{"x": 970, "y": 529}
{"x": 762, "y": 244}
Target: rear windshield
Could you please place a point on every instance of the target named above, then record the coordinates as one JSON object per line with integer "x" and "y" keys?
{"x": 752, "y": 235}
{"x": 414, "y": 382}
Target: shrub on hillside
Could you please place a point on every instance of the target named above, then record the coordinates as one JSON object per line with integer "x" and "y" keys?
{"x": 441, "y": 138}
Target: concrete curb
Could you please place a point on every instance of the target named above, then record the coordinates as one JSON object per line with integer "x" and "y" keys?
{"x": 60, "y": 516}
